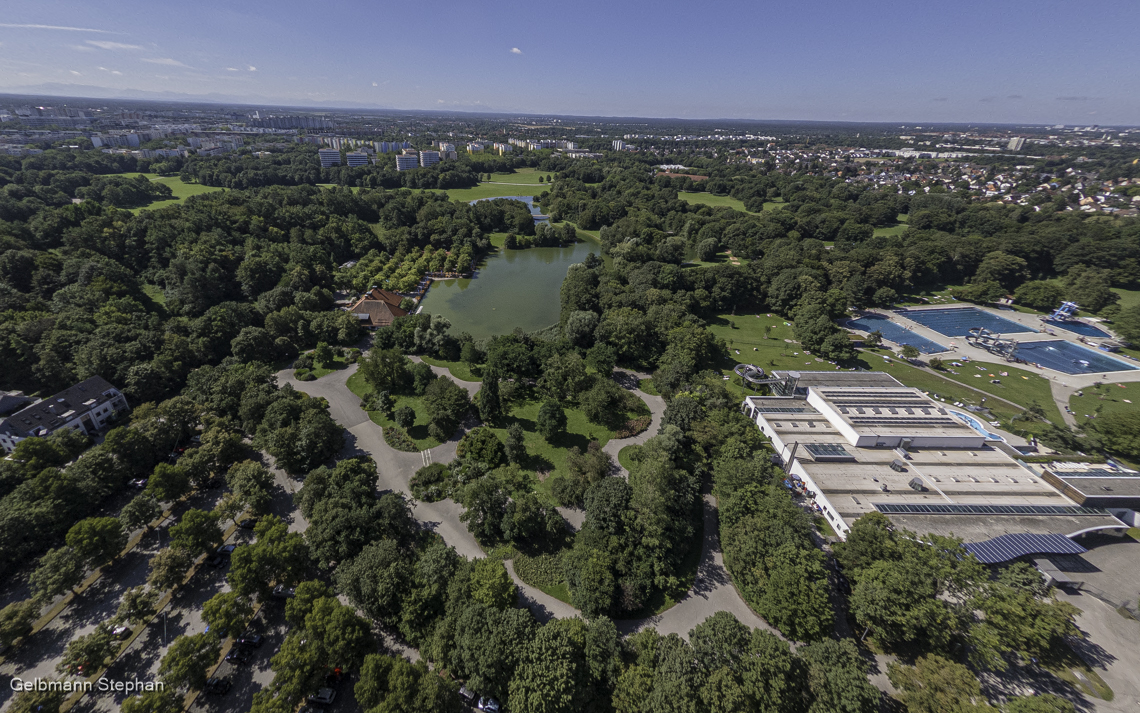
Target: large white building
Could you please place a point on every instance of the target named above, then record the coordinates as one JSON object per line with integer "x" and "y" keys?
{"x": 329, "y": 157}
{"x": 429, "y": 158}
{"x": 356, "y": 158}
{"x": 87, "y": 407}
{"x": 407, "y": 161}
{"x": 861, "y": 442}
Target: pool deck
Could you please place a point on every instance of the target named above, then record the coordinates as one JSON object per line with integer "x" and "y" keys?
{"x": 1062, "y": 385}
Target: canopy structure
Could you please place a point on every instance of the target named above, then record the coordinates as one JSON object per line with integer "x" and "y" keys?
{"x": 1004, "y": 548}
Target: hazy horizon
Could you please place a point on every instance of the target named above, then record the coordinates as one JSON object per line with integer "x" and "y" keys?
{"x": 974, "y": 62}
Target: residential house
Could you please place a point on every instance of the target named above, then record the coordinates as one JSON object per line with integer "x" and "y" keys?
{"x": 377, "y": 308}
{"x": 88, "y": 406}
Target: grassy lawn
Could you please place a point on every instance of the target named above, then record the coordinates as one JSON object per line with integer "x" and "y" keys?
{"x": 494, "y": 190}
{"x": 893, "y": 230}
{"x": 1066, "y": 665}
{"x": 320, "y": 369}
{"x": 625, "y": 456}
{"x": 458, "y": 369}
{"x": 647, "y": 386}
{"x": 1128, "y": 298}
{"x": 521, "y": 175}
{"x": 549, "y": 458}
{"x": 418, "y": 432}
{"x": 1113, "y": 401}
{"x": 156, "y": 294}
{"x": 181, "y": 190}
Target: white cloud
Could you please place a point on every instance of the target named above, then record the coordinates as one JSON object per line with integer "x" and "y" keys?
{"x": 75, "y": 73}
{"x": 104, "y": 44}
{"x": 516, "y": 50}
{"x": 83, "y": 48}
{"x": 55, "y": 27}
{"x": 252, "y": 68}
{"x": 375, "y": 84}
{"x": 115, "y": 71}
{"x": 167, "y": 61}
{"x": 232, "y": 69}
{"x": 438, "y": 101}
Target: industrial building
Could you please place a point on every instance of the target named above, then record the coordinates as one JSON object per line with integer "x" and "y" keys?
{"x": 861, "y": 442}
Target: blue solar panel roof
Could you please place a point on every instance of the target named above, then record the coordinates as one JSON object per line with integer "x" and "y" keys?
{"x": 1004, "y": 548}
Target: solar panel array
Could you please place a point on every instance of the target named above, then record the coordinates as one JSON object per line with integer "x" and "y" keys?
{"x": 916, "y": 509}
{"x": 903, "y": 420}
{"x": 1004, "y": 548}
{"x": 828, "y": 452}
{"x": 784, "y": 409}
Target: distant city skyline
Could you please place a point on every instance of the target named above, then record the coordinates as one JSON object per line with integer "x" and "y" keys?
{"x": 1048, "y": 62}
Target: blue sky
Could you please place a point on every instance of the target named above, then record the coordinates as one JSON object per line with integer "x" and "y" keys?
{"x": 1046, "y": 61}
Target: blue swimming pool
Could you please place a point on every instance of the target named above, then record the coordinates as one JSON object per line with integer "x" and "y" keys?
{"x": 1077, "y": 327}
{"x": 1070, "y": 358}
{"x": 958, "y": 321}
{"x": 895, "y": 333}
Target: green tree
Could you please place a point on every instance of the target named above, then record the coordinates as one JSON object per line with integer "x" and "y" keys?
{"x": 909, "y": 352}
{"x": 59, "y": 570}
{"x": 405, "y": 417}
{"x": 168, "y": 568}
{"x": 563, "y": 376}
{"x": 1041, "y": 295}
{"x": 937, "y": 685}
{"x": 490, "y": 403}
{"x": 168, "y": 482}
{"x": 486, "y": 504}
{"x": 837, "y": 678}
{"x": 377, "y": 580}
{"x": 602, "y": 358}
{"x": 795, "y": 599}
{"x": 1007, "y": 270}
{"x": 139, "y": 512}
{"x": 153, "y": 702}
{"x": 86, "y": 654}
{"x": 385, "y": 370}
{"x": 277, "y": 556}
{"x": 227, "y": 613}
{"x": 97, "y": 540}
{"x": 189, "y": 659}
{"x": 197, "y": 532}
{"x": 16, "y": 620}
{"x": 252, "y": 483}
{"x": 551, "y": 421}
{"x": 323, "y": 355}
{"x": 482, "y": 445}
{"x": 515, "y": 446}
{"x": 551, "y": 675}
{"x": 32, "y": 701}
{"x": 137, "y": 605}
{"x": 491, "y": 585}
{"x": 446, "y": 403}
{"x": 707, "y": 250}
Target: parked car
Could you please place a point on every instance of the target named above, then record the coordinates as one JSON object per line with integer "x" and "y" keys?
{"x": 217, "y": 685}
{"x": 283, "y": 592}
{"x": 239, "y": 655}
{"x": 252, "y": 641}
{"x": 467, "y": 696}
{"x": 248, "y": 524}
{"x": 212, "y": 483}
{"x": 488, "y": 704}
{"x": 138, "y": 484}
{"x": 216, "y": 561}
{"x": 122, "y": 631}
{"x": 226, "y": 550}
{"x": 323, "y": 697}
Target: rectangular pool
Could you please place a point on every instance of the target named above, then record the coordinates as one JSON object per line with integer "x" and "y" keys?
{"x": 958, "y": 321}
{"x": 1070, "y": 358}
{"x": 1078, "y": 327}
{"x": 895, "y": 333}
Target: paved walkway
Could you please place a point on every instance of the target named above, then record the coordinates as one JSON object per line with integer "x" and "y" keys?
{"x": 395, "y": 468}
{"x": 712, "y": 591}
{"x": 629, "y": 379}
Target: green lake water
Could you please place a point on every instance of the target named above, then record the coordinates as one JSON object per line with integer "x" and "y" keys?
{"x": 511, "y": 288}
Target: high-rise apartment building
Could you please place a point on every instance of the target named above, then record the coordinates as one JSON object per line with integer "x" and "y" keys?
{"x": 356, "y": 158}
{"x": 329, "y": 157}
{"x": 407, "y": 161}
{"x": 429, "y": 158}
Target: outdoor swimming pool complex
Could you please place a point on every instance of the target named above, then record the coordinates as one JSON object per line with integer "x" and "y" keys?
{"x": 1070, "y": 358}
{"x": 958, "y": 321}
{"x": 895, "y": 333}
{"x": 1082, "y": 328}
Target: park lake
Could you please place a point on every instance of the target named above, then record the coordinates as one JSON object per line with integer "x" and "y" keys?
{"x": 510, "y": 288}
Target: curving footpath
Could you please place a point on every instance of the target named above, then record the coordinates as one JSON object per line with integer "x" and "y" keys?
{"x": 628, "y": 379}
{"x": 712, "y": 591}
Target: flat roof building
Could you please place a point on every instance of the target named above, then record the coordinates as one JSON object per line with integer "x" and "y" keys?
{"x": 329, "y": 157}
{"x": 407, "y": 161}
{"x": 429, "y": 158}
{"x": 87, "y": 406}
{"x": 356, "y": 158}
{"x": 861, "y": 442}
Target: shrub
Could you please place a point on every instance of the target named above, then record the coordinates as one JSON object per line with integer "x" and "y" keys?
{"x": 633, "y": 426}
{"x": 399, "y": 439}
{"x": 430, "y": 483}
